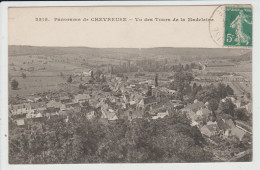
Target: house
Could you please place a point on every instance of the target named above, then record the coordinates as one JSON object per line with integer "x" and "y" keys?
{"x": 34, "y": 99}
{"x": 76, "y": 109}
{"x": 38, "y": 115}
{"x": 202, "y": 115}
{"x": 94, "y": 103}
{"x": 30, "y": 115}
{"x": 126, "y": 98}
{"x": 63, "y": 107}
{"x": 81, "y": 98}
{"x": 108, "y": 114}
{"x": 193, "y": 108}
{"x": 123, "y": 114}
{"x": 238, "y": 133}
{"x": 225, "y": 126}
{"x": 70, "y": 106}
{"x": 209, "y": 130}
{"x": 243, "y": 126}
{"x": 212, "y": 123}
{"x": 35, "y": 116}
{"x": 21, "y": 109}
{"x": 90, "y": 114}
{"x": 50, "y": 112}
{"x": 65, "y": 99}
{"x": 113, "y": 99}
{"x": 132, "y": 103}
{"x": 103, "y": 121}
{"x": 229, "y": 98}
{"x": 146, "y": 103}
{"x": 237, "y": 103}
{"x": 191, "y": 115}
{"x": 203, "y": 112}
{"x": 172, "y": 105}
{"x": 248, "y": 107}
{"x": 111, "y": 116}
{"x": 137, "y": 98}
{"x": 53, "y": 104}
{"x": 20, "y": 122}
{"x": 161, "y": 115}
{"x": 38, "y": 106}
{"x": 194, "y": 123}
{"x": 134, "y": 115}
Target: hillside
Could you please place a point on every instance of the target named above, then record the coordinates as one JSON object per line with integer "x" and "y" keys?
{"x": 130, "y": 52}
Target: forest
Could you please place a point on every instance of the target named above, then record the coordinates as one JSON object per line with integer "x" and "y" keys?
{"x": 79, "y": 140}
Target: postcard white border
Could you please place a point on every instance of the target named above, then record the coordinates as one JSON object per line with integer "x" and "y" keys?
{"x": 255, "y": 164}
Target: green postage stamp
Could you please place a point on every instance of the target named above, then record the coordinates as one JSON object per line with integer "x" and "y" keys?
{"x": 238, "y": 26}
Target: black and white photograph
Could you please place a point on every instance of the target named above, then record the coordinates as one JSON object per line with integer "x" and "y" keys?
{"x": 161, "y": 84}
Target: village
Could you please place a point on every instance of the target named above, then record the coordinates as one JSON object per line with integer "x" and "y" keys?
{"x": 109, "y": 98}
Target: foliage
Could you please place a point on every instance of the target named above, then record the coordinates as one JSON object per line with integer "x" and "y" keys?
{"x": 23, "y": 75}
{"x": 229, "y": 90}
{"x": 227, "y": 107}
{"x": 92, "y": 74}
{"x": 79, "y": 140}
{"x": 14, "y": 84}
{"x": 181, "y": 83}
{"x": 213, "y": 104}
{"x": 208, "y": 93}
{"x": 241, "y": 114}
{"x": 156, "y": 80}
{"x": 82, "y": 87}
{"x": 69, "y": 79}
{"x": 149, "y": 91}
{"x": 213, "y": 92}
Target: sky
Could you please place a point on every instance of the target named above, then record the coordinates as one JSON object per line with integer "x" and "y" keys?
{"x": 25, "y": 30}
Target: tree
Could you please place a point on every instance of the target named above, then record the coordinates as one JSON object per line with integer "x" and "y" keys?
{"x": 222, "y": 90}
{"x": 69, "y": 79}
{"x": 149, "y": 91}
{"x": 199, "y": 88}
{"x": 227, "y": 107}
{"x": 14, "y": 84}
{"x": 106, "y": 89}
{"x": 241, "y": 114}
{"x": 181, "y": 79}
{"x": 156, "y": 80}
{"x": 82, "y": 87}
{"x": 248, "y": 95}
{"x": 213, "y": 104}
{"x": 92, "y": 74}
{"x": 208, "y": 93}
{"x": 194, "y": 86}
{"x": 229, "y": 90}
{"x": 170, "y": 139}
{"x": 23, "y": 75}
{"x": 187, "y": 67}
{"x": 9, "y": 77}
{"x": 103, "y": 78}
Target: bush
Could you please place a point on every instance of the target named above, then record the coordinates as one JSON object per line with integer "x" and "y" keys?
{"x": 14, "y": 84}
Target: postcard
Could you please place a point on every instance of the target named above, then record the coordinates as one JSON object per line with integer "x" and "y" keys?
{"x": 130, "y": 84}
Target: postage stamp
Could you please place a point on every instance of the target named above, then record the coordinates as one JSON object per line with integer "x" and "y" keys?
{"x": 238, "y": 26}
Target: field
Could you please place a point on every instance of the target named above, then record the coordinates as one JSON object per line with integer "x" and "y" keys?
{"x": 241, "y": 67}
{"x": 45, "y": 76}
{"x": 48, "y": 68}
{"x": 244, "y": 69}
